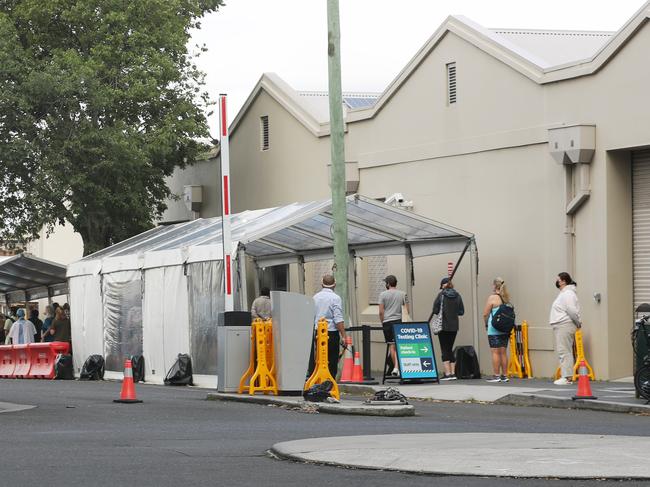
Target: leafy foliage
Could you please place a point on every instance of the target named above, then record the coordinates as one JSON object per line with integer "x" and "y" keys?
{"x": 100, "y": 100}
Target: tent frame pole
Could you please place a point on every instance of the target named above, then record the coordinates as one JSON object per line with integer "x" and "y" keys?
{"x": 474, "y": 287}
{"x": 301, "y": 275}
{"x": 243, "y": 279}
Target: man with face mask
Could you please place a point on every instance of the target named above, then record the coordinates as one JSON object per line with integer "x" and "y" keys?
{"x": 565, "y": 321}
{"x": 390, "y": 312}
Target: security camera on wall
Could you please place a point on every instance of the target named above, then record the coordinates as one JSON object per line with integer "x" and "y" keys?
{"x": 398, "y": 200}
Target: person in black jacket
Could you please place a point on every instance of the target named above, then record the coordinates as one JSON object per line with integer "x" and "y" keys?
{"x": 452, "y": 308}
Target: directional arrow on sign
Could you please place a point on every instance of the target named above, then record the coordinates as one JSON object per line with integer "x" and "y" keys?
{"x": 425, "y": 349}
{"x": 426, "y": 363}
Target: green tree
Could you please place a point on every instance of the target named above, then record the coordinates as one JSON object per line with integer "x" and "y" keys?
{"x": 100, "y": 100}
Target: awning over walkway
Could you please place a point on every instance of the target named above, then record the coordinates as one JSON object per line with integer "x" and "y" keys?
{"x": 24, "y": 277}
{"x": 298, "y": 231}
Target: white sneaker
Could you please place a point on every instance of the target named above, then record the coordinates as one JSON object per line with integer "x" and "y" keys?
{"x": 562, "y": 381}
{"x": 395, "y": 372}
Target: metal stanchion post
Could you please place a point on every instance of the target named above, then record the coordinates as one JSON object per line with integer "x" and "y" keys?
{"x": 365, "y": 346}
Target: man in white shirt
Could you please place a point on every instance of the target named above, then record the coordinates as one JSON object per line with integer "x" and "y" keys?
{"x": 22, "y": 331}
{"x": 329, "y": 306}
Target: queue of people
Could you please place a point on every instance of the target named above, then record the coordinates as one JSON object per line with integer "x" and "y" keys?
{"x": 394, "y": 305}
{"x": 564, "y": 320}
{"x": 18, "y": 329}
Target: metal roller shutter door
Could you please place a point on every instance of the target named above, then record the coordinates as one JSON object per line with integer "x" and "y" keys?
{"x": 641, "y": 225}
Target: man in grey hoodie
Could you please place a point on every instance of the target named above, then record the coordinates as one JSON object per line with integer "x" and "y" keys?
{"x": 565, "y": 320}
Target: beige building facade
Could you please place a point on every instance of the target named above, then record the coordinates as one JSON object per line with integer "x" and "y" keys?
{"x": 535, "y": 141}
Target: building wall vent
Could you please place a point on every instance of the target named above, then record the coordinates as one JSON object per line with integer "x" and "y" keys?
{"x": 451, "y": 83}
{"x": 264, "y": 133}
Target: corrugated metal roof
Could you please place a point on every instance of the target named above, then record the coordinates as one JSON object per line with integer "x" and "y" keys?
{"x": 24, "y": 273}
{"x": 555, "y": 47}
{"x": 317, "y": 102}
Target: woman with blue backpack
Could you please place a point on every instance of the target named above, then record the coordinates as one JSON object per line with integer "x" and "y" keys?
{"x": 499, "y": 319}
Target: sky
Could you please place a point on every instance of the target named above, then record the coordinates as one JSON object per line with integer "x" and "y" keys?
{"x": 246, "y": 38}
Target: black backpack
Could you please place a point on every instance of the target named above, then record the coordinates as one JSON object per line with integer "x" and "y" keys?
{"x": 467, "y": 366}
{"x": 180, "y": 374}
{"x": 93, "y": 368}
{"x": 503, "y": 319}
{"x": 137, "y": 363}
{"x": 318, "y": 392}
{"x": 63, "y": 368}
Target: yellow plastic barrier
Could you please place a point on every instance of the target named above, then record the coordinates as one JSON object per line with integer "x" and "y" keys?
{"x": 528, "y": 368}
{"x": 321, "y": 369}
{"x": 270, "y": 351}
{"x": 243, "y": 382}
{"x": 519, "y": 362}
{"x": 262, "y": 380}
{"x": 514, "y": 366}
{"x": 579, "y": 353}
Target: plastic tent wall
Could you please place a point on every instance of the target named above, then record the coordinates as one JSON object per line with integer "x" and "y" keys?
{"x": 160, "y": 293}
{"x": 86, "y": 312}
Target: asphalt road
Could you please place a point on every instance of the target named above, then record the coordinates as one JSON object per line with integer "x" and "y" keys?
{"x": 76, "y": 436}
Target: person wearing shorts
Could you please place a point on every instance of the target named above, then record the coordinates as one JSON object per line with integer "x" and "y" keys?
{"x": 390, "y": 312}
{"x": 498, "y": 340}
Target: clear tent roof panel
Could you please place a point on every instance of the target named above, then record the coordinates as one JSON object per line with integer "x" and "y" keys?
{"x": 400, "y": 224}
{"x": 294, "y": 229}
{"x": 131, "y": 242}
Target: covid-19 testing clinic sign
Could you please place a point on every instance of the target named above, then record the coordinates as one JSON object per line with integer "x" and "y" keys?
{"x": 415, "y": 351}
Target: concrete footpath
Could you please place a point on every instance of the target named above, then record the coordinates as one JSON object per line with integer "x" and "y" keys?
{"x": 612, "y": 396}
{"x": 298, "y": 403}
{"x": 519, "y": 455}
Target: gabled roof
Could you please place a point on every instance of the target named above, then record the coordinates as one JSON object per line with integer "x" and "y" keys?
{"x": 554, "y": 47}
{"x": 311, "y": 108}
{"x": 527, "y": 57}
{"x": 543, "y": 56}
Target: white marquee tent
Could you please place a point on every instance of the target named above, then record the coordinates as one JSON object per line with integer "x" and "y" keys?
{"x": 160, "y": 293}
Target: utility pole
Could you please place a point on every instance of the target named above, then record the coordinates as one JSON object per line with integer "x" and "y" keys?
{"x": 337, "y": 182}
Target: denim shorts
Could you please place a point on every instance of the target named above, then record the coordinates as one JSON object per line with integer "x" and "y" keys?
{"x": 498, "y": 341}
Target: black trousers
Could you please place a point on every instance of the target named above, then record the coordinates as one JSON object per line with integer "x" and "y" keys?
{"x": 332, "y": 353}
{"x": 447, "y": 339}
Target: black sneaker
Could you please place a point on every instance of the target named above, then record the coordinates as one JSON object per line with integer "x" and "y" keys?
{"x": 495, "y": 378}
{"x": 504, "y": 378}
{"x": 452, "y": 377}
{"x": 447, "y": 377}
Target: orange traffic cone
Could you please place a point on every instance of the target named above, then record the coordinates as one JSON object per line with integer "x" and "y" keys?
{"x": 128, "y": 387}
{"x": 348, "y": 362}
{"x": 357, "y": 372}
{"x": 584, "y": 387}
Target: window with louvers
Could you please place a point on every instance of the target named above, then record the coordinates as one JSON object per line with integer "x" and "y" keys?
{"x": 264, "y": 132}
{"x": 451, "y": 83}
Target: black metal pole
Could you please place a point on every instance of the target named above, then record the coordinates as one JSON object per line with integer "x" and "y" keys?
{"x": 365, "y": 345}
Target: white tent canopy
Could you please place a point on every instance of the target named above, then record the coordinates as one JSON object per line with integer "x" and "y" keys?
{"x": 281, "y": 235}
{"x": 160, "y": 293}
